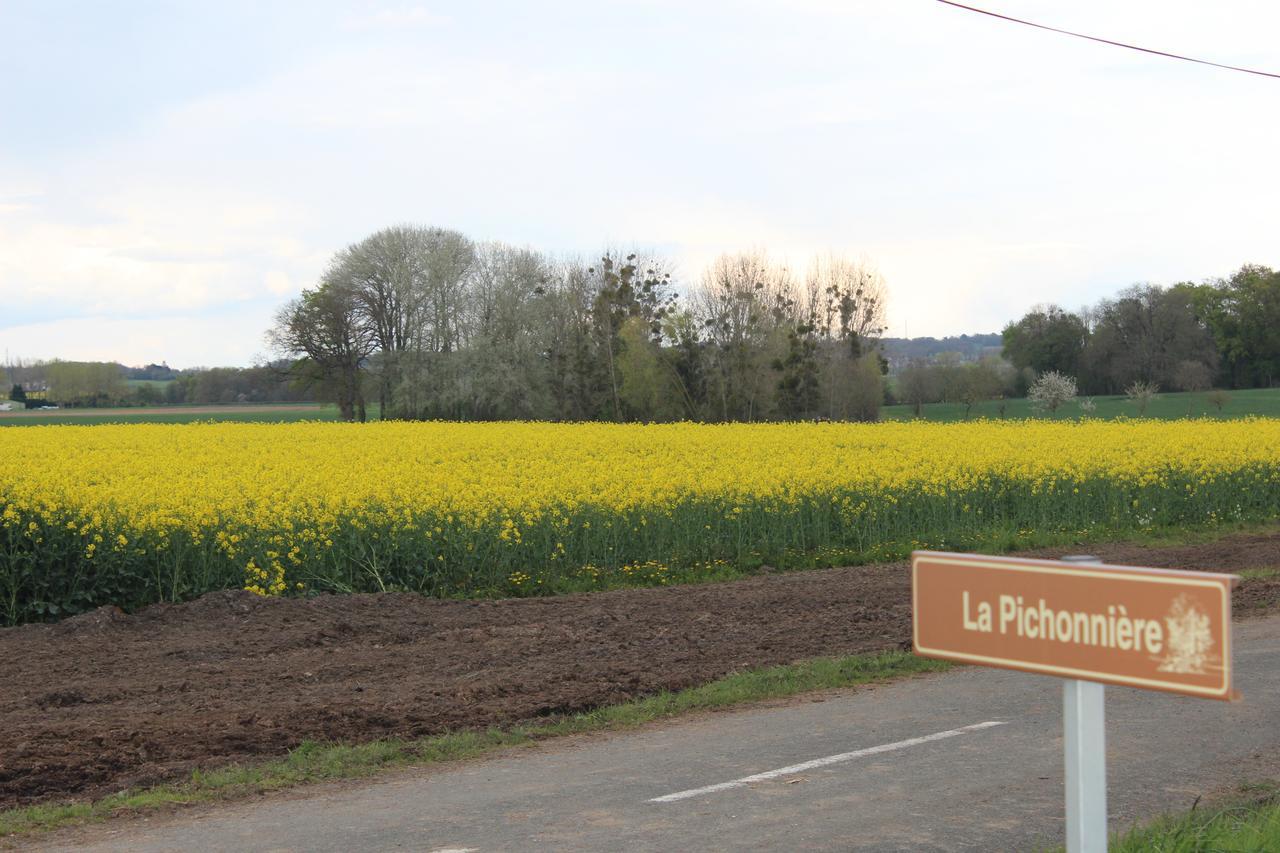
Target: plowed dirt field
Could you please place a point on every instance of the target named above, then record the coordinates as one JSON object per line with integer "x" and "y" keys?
{"x": 104, "y": 701}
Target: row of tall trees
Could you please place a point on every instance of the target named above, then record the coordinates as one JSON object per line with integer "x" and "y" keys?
{"x": 1189, "y": 337}
{"x": 85, "y": 383}
{"x": 268, "y": 383}
{"x": 429, "y": 324}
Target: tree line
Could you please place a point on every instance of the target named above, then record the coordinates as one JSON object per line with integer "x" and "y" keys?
{"x": 427, "y": 323}
{"x": 1222, "y": 333}
{"x": 96, "y": 384}
{"x": 417, "y": 322}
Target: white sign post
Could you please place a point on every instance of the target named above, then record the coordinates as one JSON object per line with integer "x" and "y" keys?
{"x": 1084, "y": 743}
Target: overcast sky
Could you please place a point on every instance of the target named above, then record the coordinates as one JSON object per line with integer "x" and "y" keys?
{"x": 171, "y": 172}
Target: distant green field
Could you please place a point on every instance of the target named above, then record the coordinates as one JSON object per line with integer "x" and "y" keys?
{"x": 175, "y": 415}
{"x": 1261, "y": 402}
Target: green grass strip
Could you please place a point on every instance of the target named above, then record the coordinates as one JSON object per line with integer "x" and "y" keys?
{"x": 314, "y": 762}
{"x": 1247, "y": 821}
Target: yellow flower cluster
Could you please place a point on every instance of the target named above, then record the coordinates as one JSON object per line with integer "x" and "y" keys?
{"x": 154, "y": 512}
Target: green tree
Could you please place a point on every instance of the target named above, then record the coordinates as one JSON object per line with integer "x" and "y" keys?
{"x": 687, "y": 356}
{"x": 175, "y": 392}
{"x": 799, "y": 392}
{"x": 147, "y": 394}
{"x": 860, "y": 393}
{"x": 1243, "y": 314}
{"x": 1144, "y": 335}
{"x": 646, "y": 390}
{"x": 1046, "y": 339}
{"x": 85, "y": 383}
{"x": 628, "y": 288}
{"x": 18, "y": 394}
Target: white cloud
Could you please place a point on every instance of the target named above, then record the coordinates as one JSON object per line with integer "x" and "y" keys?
{"x": 207, "y": 340}
{"x": 152, "y": 250}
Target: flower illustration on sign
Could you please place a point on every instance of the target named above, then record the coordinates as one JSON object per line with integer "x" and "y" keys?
{"x": 1189, "y": 639}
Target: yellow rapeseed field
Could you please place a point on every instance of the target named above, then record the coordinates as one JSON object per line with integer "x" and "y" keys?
{"x": 137, "y": 513}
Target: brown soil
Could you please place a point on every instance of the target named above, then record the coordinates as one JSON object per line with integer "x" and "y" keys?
{"x": 104, "y": 701}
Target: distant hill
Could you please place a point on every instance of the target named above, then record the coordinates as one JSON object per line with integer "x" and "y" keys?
{"x": 899, "y": 351}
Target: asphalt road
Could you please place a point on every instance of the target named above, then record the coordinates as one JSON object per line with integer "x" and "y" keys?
{"x": 905, "y": 766}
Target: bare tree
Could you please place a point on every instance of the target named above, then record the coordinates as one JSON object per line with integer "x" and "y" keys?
{"x": 408, "y": 283}
{"x": 976, "y": 383}
{"x": 1141, "y": 394}
{"x": 449, "y": 259}
{"x": 1191, "y": 375}
{"x": 324, "y": 327}
{"x": 854, "y": 388}
{"x": 575, "y": 375}
{"x": 505, "y": 333}
{"x": 627, "y": 287}
{"x": 386, "y": 276}
{"x": 918, "y": 384}
{"x": 845, "y": 300}
{"x": 739, "y": 300}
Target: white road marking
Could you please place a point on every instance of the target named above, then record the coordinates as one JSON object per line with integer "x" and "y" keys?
{"x": 456, "y": 850}
{"x": 823, "y": 762}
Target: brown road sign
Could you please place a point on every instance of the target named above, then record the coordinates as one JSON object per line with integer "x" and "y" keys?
{"x": 1152, "y": 628}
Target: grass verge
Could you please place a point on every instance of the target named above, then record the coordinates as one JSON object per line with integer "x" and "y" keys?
{"x": 1248, "y": 820}
{"x": 1009, "y": 541}
{"x": 313, "y": 762}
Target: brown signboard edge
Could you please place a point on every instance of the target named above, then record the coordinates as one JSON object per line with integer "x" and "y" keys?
{"x": 1224, "y": 583}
